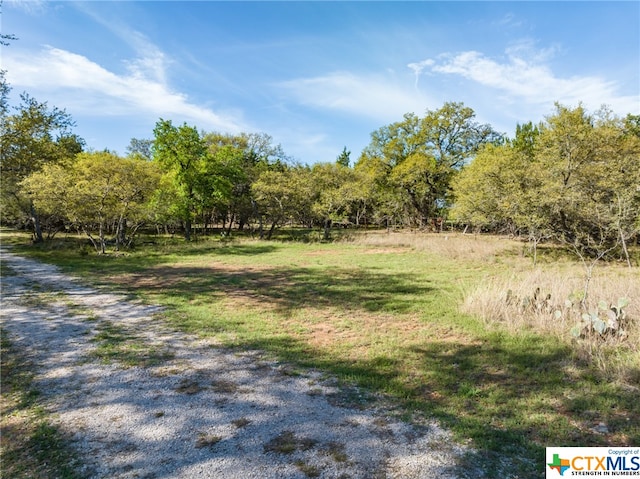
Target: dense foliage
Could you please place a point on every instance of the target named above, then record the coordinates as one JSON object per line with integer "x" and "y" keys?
{"x": 573, "y": 178}
{"x": 33, "y": 137}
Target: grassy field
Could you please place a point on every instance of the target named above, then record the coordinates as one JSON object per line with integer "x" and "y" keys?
{"x": 417, "y": 318}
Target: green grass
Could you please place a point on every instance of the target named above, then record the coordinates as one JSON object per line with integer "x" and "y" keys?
{"x": 388, "y": 320}
{"x": 116, "y": 344}
{"x": 32, "y": 447}
{"x": 287, "y": 443}
{"x": 5, "y": 270}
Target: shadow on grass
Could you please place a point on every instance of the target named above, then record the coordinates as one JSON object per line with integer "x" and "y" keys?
{"x": 32, "y": 445}
{"x": 73, "y": 255}
{"x": 510, "y": 399}
{"x": 287, "y": 289}
{"x": 226, "y": 248}
{"x": 500, "y": 396}
{"x": 526, "y": 395}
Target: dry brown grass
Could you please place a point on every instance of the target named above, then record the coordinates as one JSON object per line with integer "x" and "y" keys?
{"x": 449, "y": 245}
{"x": 527, "y": 299}
{"x": 517, "y": 296}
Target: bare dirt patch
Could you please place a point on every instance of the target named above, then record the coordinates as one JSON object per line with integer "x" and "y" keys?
{"x": 395, "y": 250}
{"x": 337, "y": 329}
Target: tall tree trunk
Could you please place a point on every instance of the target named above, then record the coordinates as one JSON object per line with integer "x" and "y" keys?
{"x": 102, "y": 240}
{"x": 205, "y": 223}
{"x": 187, "y": 229}
{"x": 624, "y": 248}
{"x": 121, "y": 232}
{"x": 272, "y": 229}
{"x": 623, "y": 240}
{"x": 37, "y": 230}
{"x": 231, "y": 220}
{"x": 259, "y": 216}
{"x": 132, "y": 234}
{"x": 327, "y": 229}
{"x": 93, "y": 241}
{"x": 242, "y": 220}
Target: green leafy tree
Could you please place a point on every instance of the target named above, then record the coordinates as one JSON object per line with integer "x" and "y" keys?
{"x": 574, "y": 178}
{"x": 97, "y": 192}
{"x": 219, "y": 173}
{"x": 181, "y": 154}
{"x": 483, "y": 190}
{"x": 282, "y": 194}
{"x": 330, "y": 203}
{"x": 589, "y": 163}
{"x": 358, "y": 193}
{"x": 244, "y": 158}
{"x": 140, "y": 148}
{"x": 500, "y": 189}
{"x": 379, "y": 199}
{"x": 32, "y": 137}
{"x": 417, "y": 158}
{"x": 135, "y": 180}
{"x": 591, "y": 196}
{"x": 631, "y": 125}
{"x": 228, "y": 153}
{"x": 165, "y": 206}
{"x": 344, "y": 158}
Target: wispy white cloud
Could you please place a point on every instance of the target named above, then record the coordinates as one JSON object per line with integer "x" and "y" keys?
{"x": 30, "y": 6}
{"x": 525, "y": 76}
{"x": 87, "y": 88}
{"x": 527, "y": 48}
{"x": 151, "y": 62}
{"x": 509, "y": 20}
{"x": 305, "y": 144}
{"x": 381, "y": 97}
{"x": 419, "y": 67}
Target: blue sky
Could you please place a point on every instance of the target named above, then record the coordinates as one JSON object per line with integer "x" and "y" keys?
{"x": 316, "y": 76}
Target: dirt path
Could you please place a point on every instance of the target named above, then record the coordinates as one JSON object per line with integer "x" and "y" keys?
{"x": 142, "y": 401}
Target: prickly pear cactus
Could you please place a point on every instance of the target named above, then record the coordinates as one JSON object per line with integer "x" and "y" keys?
{"x": 608, "y": 321}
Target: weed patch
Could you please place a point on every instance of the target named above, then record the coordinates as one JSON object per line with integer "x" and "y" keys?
{"x": 549, "y": 301}
{"x": 224, "y": 387}
{"x": 336, "y": 450}
{"x": 117, "y": 345}
{"x": 241, "y": 422}
{"x": 207, "y": 440}
{"x": 307, "y": 469}
{"x": 287, "y": 443}
{"x": 189, "y": 386}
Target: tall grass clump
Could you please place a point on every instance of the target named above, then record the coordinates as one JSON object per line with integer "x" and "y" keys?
{"x": 603, "y": 328}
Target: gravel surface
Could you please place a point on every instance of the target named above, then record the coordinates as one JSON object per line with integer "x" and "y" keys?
{"x": 169, "y": 405}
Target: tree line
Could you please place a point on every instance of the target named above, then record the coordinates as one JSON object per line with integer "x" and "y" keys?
{"x": 574, "y": 177}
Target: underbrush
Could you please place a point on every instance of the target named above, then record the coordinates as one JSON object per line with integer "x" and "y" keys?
{"x": 602, "y": 328}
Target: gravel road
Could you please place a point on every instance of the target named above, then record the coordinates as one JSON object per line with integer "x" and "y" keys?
{"x": 171, "y": 405}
